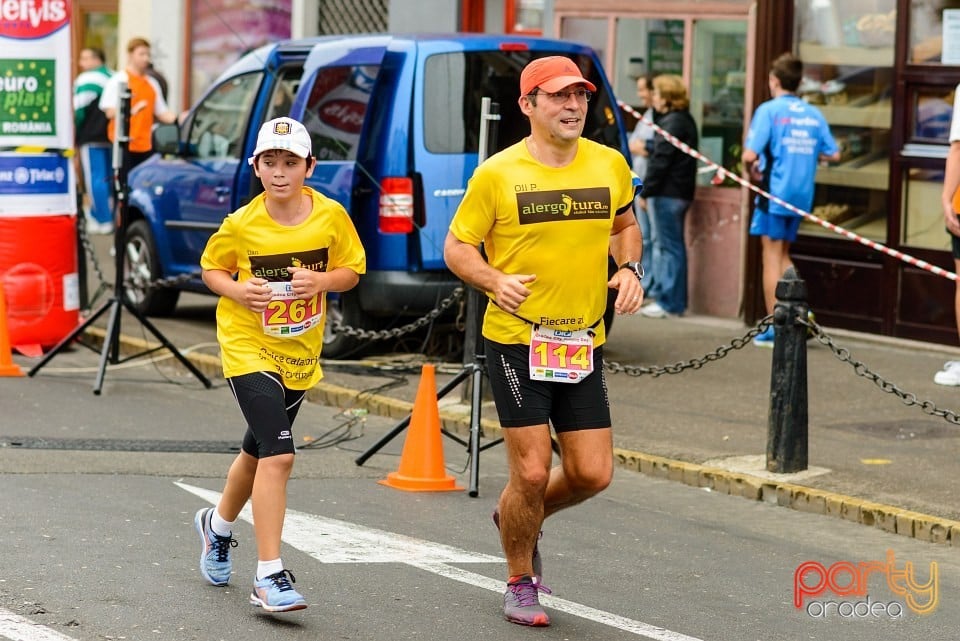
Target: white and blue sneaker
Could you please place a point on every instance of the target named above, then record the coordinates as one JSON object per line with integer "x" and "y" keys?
{"x": 275, "y": 593}
{"x": 764, "y": 338}
{"x": 215, "y": 563}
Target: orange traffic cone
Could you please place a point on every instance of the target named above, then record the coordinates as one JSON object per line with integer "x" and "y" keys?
{"x": 7, "y": 366}
{"x": 421, "y": 463}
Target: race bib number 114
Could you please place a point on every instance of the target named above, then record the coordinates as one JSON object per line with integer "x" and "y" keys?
{"x": 559, "y": 355}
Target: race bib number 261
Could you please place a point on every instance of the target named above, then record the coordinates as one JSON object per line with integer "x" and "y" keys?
{"x": 559, "y": 355}
{"x": 287, "y": 315}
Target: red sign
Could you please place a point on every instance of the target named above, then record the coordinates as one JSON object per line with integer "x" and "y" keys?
{"x": 345, "y": 115}
{"x": 31, "y": 19}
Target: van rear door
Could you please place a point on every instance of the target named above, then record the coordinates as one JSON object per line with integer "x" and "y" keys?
{"x": 447, "y": 118}
{"x": 339, "y": 75}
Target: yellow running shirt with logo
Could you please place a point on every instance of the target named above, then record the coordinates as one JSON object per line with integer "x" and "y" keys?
{"x": 552, "y": 222}
{"x": 250, "y": 243}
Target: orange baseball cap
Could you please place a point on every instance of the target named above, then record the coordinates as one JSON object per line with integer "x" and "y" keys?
{"x": 552, "y": 74}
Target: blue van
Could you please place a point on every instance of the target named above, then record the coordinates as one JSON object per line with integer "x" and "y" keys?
{"x": 395, "y": 122}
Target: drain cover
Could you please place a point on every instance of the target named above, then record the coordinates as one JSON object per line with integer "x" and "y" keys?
{"x": 117, "y": 445}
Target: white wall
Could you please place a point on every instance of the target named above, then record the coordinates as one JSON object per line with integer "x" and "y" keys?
{"x": 424, "y": 16}
{"x": 160, "y": 22}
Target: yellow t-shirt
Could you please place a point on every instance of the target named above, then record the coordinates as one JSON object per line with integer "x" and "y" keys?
{"x": 250, "y": 243}
{"x": 548, "y": 221}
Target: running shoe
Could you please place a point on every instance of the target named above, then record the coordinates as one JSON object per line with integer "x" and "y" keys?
{"x": 537, "y": 561}
{"x": 949, "y": 375}
{"x": 764, "y": 338}
{"x": 521, "y": 602}
{"x": 215, "y": 563}
{"x": 275, "y": 593}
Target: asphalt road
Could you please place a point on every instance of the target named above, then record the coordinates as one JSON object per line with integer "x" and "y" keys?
{"x": 98, "y": 543}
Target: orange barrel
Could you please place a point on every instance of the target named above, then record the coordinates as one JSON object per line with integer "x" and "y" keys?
{"x": 38, "y": 271}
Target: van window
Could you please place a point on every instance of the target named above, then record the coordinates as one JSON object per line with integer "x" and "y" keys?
{"x": 336, "y": 107}
{"x": 218, "y": 123}
{"x": 284, "y": 90}
{"x": 455, "y": 83}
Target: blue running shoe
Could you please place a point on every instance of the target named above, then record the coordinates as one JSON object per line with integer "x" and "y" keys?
{"x": 537, "y": 561}
{"x": 764, "y": 338}
{"x": 275, "y": 593}
{"x": 215, "y": 563}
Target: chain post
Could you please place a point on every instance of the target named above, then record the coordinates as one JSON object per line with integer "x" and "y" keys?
{"x": 787, "y": 423}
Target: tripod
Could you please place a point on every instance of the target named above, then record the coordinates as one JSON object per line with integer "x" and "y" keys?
{"x": 472, "y": 369}
{"x": 111, "y": 341}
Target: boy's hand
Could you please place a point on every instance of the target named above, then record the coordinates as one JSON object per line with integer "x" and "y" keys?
{"x": 305, "y": 282}
{"x": 256, "y": 294}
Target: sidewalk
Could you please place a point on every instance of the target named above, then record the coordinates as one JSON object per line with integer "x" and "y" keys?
{"x": 872, "y": 458}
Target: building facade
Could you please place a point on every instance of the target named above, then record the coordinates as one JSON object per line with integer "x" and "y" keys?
{"x": 882, "y": 71}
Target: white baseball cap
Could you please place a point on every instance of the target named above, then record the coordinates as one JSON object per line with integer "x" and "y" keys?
{"x": 283, "y": 133}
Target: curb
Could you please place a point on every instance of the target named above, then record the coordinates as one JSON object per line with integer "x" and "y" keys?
{"x": 455, "y": 418}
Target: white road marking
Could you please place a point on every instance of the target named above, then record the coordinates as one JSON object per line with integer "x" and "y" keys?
{"x": 333, "y": 541}
{"x": 18, "y": 628}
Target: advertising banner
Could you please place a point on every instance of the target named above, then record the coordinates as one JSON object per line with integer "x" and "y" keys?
{"x": 36, "y": 111}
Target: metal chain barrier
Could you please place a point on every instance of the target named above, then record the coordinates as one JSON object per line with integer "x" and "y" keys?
{"x": 694, "y": 363}
{"x": 907, "y": 398}
{"x": 375, "y": 335}
{"x": 841, "y": 353}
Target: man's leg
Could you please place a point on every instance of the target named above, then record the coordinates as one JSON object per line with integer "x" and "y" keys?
{"x": 522, "y": 501}
{"x": 776, "y": 259}
{"x": 586, "y": 468}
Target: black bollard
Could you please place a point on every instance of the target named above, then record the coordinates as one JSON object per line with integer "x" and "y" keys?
{"x": 787, "y": 422}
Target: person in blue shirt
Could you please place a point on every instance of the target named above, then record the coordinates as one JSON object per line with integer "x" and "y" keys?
{"x": 787, "y": 139}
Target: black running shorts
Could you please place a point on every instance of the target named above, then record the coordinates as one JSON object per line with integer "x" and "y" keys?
{"x": 522, "y": 402}
{"x": 269, "y": 409}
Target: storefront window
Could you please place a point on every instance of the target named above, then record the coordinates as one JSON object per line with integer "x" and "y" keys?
{"x": 922, "y": 212}
{"x": 848, "y": 74}
{"x": 935, "y": 31}
{"x": 525, "y": 16}
{"x": 932, "y": 110}
{"x": 720, "y": 64}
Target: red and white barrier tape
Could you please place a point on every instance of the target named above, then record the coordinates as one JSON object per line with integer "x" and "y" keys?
{"x": 723, "y": 173}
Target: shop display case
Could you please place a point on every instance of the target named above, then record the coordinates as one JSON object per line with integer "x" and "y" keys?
{"x": 848, "y": 59}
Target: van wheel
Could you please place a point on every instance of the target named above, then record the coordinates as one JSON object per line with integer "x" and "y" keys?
{"x": 141, "y": 267}
{"x": 346, "y": 308}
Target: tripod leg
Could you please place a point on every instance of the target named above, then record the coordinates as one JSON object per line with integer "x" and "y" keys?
{"x": 66, "y": 341}
{"x": 476, "y": 398}
{"x": 113, "y": 326}
{"x": 402, "y": 425}
{"x": 170, "y": 346}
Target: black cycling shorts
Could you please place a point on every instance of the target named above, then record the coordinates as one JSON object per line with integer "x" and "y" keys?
{"x": 269, "y": 409}
{"x": 522, "y": 402}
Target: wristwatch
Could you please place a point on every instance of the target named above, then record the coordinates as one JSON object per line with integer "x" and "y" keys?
{"x": 635, "y": 267}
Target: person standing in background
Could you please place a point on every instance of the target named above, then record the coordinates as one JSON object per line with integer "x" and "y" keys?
{"x": 950, "y": 374}
{"x": 93, "y": 144}
{"x": 641, "y": 143}
{"x": 787, "y": 139}
{"x": 146, "y": 102}
{"x": 668, "y": 189}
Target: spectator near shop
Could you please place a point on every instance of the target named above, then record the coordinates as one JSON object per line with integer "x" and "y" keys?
{"x": 93, "y": 144}
{"x": 787, "y": 139}
{"x": 950, "y": 374}
{"x": 146, "y": 101}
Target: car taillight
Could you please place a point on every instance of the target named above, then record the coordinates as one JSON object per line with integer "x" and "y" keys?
{"x": 396, "y": 206}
